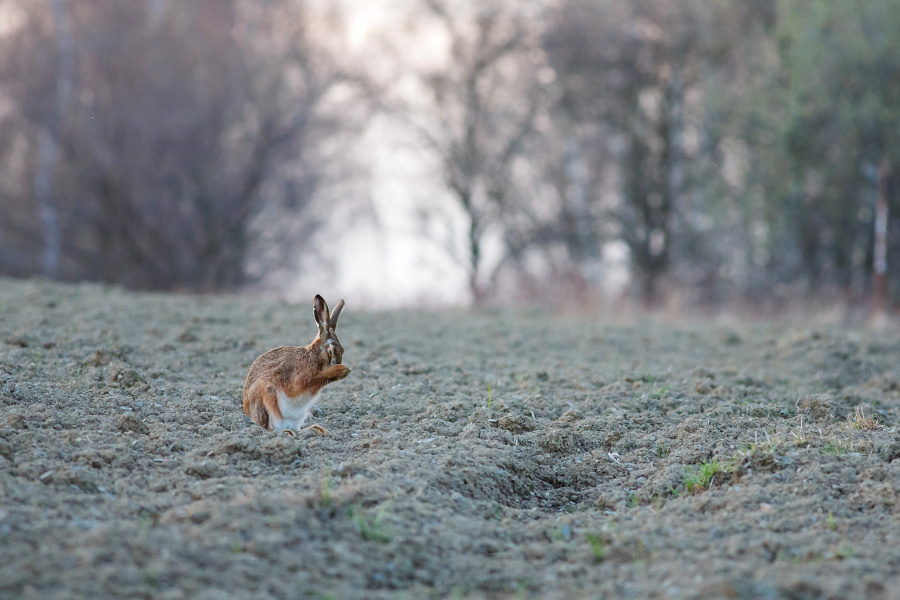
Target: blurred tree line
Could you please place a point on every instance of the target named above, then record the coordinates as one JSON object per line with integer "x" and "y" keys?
{"x": 728, "y": 149}
{"x": 140, "y": 139}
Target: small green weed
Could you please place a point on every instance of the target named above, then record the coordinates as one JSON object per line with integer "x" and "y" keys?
{"x": 691, "y": 480}
{"x": 651, "y": 380}
{"x": 662, "y": 451}
{"x": 325, "y": 491}
{"x": 372, "y": 532}
{"x": 709, "y": 470}
{"x": 697, "y": 479}
{"x": 598, "y": 547}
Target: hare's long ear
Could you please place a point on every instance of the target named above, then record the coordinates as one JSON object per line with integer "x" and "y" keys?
{"x": 320, "y": 312}
{"x": 336, "y": 314}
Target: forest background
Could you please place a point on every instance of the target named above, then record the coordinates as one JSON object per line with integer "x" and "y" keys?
{"x": 427, "y": 152}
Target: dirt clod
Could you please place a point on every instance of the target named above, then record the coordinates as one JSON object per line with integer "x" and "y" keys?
{"x": 516, "y": 423}
{"x": 16, "y": 340}
{"x": 125, "y": 377}
{"x": 132, "y": 423}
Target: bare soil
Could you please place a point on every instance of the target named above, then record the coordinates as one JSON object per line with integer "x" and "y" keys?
{"x": 470, "y": 455}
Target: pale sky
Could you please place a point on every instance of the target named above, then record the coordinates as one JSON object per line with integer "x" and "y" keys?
{"x": 390, "y": 262}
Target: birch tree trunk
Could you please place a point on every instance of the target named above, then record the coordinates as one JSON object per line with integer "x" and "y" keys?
{"x": 879, "y": 267}
{"x": 48, "y": 145}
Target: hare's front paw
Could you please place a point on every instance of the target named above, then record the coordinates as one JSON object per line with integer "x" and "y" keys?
{"x": 336, "y": 372}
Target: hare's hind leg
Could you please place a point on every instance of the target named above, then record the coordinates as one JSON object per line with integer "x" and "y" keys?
{"x": 260, "y": 402}
{"x": 259, "y": 415}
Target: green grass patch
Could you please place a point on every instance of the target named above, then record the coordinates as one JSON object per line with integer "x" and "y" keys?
{"x": 598, "y": 546}
{"x": 697, "y": 479}
{"x": 371, "y": 531}
{"x": 661, "y": 451}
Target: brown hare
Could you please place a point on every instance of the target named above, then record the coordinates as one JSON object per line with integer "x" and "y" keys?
{"x": 283, "y": 383}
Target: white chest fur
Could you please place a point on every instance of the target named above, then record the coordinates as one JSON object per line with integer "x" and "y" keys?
{"x": 294, "y": 411}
